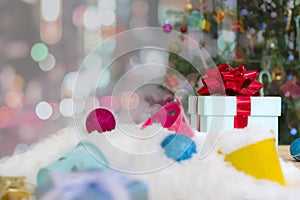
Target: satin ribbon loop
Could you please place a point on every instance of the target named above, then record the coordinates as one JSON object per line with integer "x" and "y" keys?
{"x": 234, "y": 82}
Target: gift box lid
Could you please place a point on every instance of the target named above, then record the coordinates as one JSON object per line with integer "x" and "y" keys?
{"x": 227, "y": 106}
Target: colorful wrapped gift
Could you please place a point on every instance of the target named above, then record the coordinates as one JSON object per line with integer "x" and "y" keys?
{"x": 15, "y": 188}
{"x": 103, "y": 184}
{"x": 84, "y": 156}
{"x": 234, "y": 102}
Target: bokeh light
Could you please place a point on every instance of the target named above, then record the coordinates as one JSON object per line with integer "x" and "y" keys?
{"x": 30, "y": 1}
{"x": 47, "y": 64}
{"x": 78, "y": 107}
{"x": 291, "y": 57}
{"x": 107, "y": 17}
{"x": 91, "y": 19}
{"x": 51, "y": 32}
{"x": 293, "y": 131}
{"x": 33, "y": 93}
{"x": 107, "y": 4}
{"x": 39, "y": 52}
{"x": 16, "y": 83}
{"x": 50, "y": 9}
{"x": 110, "y": 102}
{"x": 93, "y": 61}
{"x": 91, "y": 103}
{"x": 77, "y": 17}
{"x": 69, "y": 80}
{"x": 43, "y": 110}
{"x": 108, "y": 46}
{"x": 6, "y": 116}
{"x": 140, "y": 8}
{"x": 16, "y": 49}
{"x": 130, "y": 100}
{"x": 66, "y": 107}
{"x": 104, "y": 79}
{"x": 55, "y": 110}
{"x": 138, "y": 22}
{"x": 27, "y": 133}
{"x": 14, "y": 99}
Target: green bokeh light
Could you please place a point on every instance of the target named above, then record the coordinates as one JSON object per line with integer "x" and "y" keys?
{"x": 39, "y": 52}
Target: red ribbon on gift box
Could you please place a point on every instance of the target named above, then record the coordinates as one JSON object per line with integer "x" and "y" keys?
{"x": 225, "y": 80}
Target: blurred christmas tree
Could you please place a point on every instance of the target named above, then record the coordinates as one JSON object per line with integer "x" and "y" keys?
{"x": 272, "y": 26}
{"x": 262, "y": 35}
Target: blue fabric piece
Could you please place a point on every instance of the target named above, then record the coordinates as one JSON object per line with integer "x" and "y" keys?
{"x": 179, "y": 147}
{"x": 93, "y": 185}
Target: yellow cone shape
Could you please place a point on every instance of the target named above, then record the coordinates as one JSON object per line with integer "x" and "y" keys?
{"x": 259, "y": 160}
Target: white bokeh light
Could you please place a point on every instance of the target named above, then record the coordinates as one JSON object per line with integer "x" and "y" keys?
{"x": 69, "y": 80}
{"x": 104, "y": 80}
{"x": 107, "y": 17}
{"x": 50, "y": 9}
{"x": 93, "y": 61}
{"x": 91, "y": 20}
{"x": 66, "y": 107}
{"x": 43, "y": 110}
{"x": 47, "y": 64}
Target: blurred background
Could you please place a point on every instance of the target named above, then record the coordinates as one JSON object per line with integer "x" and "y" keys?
{"x": 43, "y": 44}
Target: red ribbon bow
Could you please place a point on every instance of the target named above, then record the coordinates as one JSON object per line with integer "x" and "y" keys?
{"x": 233, "y": 82}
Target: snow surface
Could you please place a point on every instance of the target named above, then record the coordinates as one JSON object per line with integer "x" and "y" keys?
{"x": 138, "y": 153}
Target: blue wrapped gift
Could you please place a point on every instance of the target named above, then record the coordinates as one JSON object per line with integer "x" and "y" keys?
{"x": 93, "y": 185}
{"x": 84, "y": 156}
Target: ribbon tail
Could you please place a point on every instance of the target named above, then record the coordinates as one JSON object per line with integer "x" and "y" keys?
{"x": 240, "y": 121}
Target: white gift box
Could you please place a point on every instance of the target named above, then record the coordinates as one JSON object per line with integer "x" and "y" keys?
{"x": 216, "y": 113}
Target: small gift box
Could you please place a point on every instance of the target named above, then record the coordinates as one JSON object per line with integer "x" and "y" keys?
{"x": 240, "y": 108}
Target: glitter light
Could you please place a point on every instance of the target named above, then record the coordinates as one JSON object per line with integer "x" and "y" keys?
{"x": 39, "y": 52}
{"x": 66, "y": 107}
{"x": 47, "y": 64}
{"x": 50, "y": 9}
{"x": 43, "y": 110}
{"x": 14, "y": 99}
